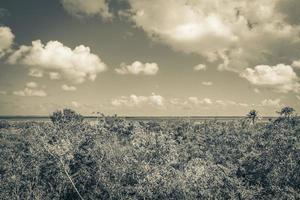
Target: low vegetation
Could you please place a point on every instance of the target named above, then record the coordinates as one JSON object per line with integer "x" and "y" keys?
{"x": 69, "y": 158}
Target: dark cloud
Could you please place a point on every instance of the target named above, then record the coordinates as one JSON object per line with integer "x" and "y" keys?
{"x": 290, "y": 8}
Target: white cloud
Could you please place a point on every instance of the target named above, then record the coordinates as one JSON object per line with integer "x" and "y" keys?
{"x": 207, "y": 83}
{"x": 31, "y": 85}
{"x": 54, "y": 75}
{"x": 280, "y": 77}
{"x": 190, "y": 102}
{"x": 231, "y": 103}
{"x": 76, "y": 65}
{"x": 134, "y": 100}
{"x": 156, "y": 100}
{"x": 221, "y": 102}
{"x": 138, "y": 68}
{"x": 271, "y": 102}
{"x": 296, "y": 64}
{"x": 207, "y": 101}
{"x": 75, "y": 104}
{"x": 243, "y": 104}
{"x": 6, "y": 39}
{"x": 175, "y": 101}
{"x": 200, "y": 67}
{"x": 238, "y": 34}
{"x": 190, "y": 30}
{"x": 36, "y": 73}
{"x": 30, "y": 92}
{"x": 256, "y": 90}
{"x": 81, "y": 8}
{"x": 197, "y": 101}
{"x": 68, "y": 88}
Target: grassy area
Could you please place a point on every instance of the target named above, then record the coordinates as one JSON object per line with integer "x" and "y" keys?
{"x": 115, "y": 158}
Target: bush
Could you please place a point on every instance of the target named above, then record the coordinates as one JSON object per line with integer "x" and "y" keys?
{"x": 4, "y": 124}
{"x": 66, "y": 117}
{"x": 119, "y": 159}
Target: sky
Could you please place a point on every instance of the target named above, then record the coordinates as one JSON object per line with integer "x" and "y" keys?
{"x": 149, "y": 58}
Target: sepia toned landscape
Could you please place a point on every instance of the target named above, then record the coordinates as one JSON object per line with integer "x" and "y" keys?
{"x": 114, "y": 158}
{"x": 149, "y": 99}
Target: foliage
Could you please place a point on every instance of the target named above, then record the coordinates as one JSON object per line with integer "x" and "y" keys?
{"x": 286, "y": 112}
{"x": 253, "y": 115}
{"x": 120, "y": 159}
{"x": 66, "y": 117}
{"x": 4, "y": 124}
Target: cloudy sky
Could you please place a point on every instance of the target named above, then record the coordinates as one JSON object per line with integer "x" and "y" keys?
{"x": 141, "y": 57}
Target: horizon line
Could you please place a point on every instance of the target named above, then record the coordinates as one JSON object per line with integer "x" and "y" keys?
{"x": 141, "y": 116}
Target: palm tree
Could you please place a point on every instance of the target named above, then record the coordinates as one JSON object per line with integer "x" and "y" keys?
{"x": 253, "y": 115}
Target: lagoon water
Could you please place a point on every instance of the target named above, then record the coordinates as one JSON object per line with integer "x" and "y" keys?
{"x": 139, "y": 118}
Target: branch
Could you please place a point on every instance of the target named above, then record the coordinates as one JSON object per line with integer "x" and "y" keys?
{"x": 66, "y": 172}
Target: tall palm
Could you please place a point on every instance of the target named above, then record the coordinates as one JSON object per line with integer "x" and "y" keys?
{"x": 253, "y": 115}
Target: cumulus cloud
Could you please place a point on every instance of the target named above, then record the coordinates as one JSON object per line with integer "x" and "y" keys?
{"x": 227, "y": 31}
{"x": 30, "y": 92}
{"x": 296, "y": 64}
{"x": 77, "y": 64}
{"x": 68, "y": 88}
{"x": 54, "y": 75}
{"x": 200, "y": 67}
{"x": 190, "y": 102}
{"x": 31, "y": 85}
{"x": 256, "y": 90}
{"x": 197, "y": 101}
{"x": 36, "y": 73}
{"x": 88, "y": 8}
{"x": 271, "y": 102}
{"x": 189, "y": 30}
{"x": 75, "y": 104}
{"x": 156, "y": 100}
{"x": 280, "y": 77}
{"x": 6, "y": 39}
{"x": 230, "y": 103}
{"x": 134, "y": 100}
{"x": 138, "y": 68}
{"x": 207, "y": 83}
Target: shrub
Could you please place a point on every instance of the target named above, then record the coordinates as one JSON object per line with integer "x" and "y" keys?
{"x": 66, "y": 117}
{"x": 4, "y": 124}
{"x": 119, "y": 159}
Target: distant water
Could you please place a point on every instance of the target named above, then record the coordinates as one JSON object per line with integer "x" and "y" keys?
{"x": 25, "y": 118}
{"x": 138, "y": 118}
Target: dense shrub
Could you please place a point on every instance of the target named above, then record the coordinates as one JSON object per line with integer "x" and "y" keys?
{"x": 66, "y": 117}
{"x": 4, "y": 124}
{"x": 119, "y": 159}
